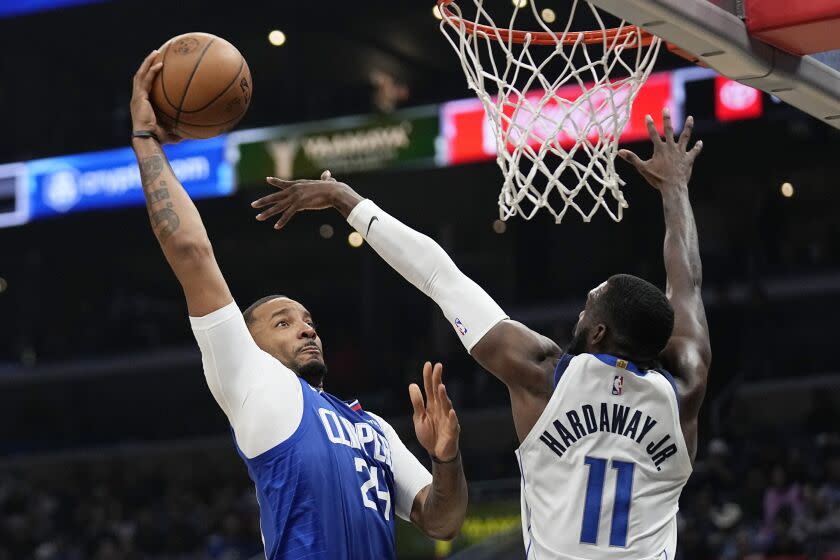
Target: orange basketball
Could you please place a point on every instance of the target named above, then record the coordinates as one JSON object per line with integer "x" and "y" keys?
{"x": 204, "y": 87}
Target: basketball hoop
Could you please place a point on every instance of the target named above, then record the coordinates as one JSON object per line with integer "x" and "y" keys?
{"x": 556, "y": 118}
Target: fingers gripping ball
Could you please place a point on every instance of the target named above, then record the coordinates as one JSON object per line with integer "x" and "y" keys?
{"x": 204, "y": 87}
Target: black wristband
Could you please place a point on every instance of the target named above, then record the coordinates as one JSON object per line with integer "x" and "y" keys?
{"x": 144, "y": 134}
{"x": 452, "y": 460}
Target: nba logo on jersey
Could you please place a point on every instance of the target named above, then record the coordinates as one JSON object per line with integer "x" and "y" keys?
{"x": 618, "y": 385}
{"x": 459, "y": 326}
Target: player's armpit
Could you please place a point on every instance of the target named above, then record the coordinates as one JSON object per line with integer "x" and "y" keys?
{"x": 518, "y": 356}
{"x": 689, "y": 359}
{"x": 688, "y": 354}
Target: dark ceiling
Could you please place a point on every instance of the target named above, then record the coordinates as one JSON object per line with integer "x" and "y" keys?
{"x": 66, "y": 73}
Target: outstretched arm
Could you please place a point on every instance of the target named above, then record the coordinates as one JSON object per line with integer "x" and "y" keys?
{"x": 439, "y": 509}
{"x": 228, "y": 351}
{"x": 688, "y": 353}
{"x": 175, "y": 219}
{"x": 509, "y": 350}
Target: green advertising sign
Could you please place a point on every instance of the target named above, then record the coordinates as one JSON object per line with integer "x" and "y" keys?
{"x": 346, "y": 145}
{"x": 495, "y": 525}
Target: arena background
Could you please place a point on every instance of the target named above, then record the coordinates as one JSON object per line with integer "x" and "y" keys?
{"x": 110, "y": 443}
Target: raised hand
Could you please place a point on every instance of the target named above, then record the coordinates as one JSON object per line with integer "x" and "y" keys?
{"x": 672, "y": 161}
{"x": 298, "y": 195}
{"x": 142, "y": 114}
{"x": 435, "y": 421}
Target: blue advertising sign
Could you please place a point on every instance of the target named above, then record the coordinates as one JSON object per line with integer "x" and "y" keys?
{"x": 111, "y": 179}
{"x": 19, "y": 7}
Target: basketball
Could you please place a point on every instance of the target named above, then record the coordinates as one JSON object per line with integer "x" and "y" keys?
{"x": 204, "y": 87}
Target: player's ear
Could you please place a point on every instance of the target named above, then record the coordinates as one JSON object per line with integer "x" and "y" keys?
{"x": 597, "y": 334}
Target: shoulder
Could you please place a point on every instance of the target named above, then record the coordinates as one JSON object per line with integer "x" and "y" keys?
{"x": 666, "y": 375}
{"x": 689, "y": 361}
{"x": 528, "y": 340}
{"x": 519, "y": 356}
{"x": 563, "y": 365}
{"x": 383, "y": 424}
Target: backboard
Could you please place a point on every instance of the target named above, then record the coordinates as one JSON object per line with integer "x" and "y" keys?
{"x": 715, "y": 33}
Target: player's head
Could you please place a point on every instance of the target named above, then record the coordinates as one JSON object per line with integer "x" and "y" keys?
{"x": 625, "y": 316}
{"x": 284, "y": 328}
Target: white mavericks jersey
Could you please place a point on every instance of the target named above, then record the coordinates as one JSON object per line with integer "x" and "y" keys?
{"x": 604, "y": 466}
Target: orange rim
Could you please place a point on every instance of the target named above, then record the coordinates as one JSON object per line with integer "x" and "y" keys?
{"x": 619, "y": 34}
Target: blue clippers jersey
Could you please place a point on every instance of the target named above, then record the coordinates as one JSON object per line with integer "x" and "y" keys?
{"x": 327, "y": 491}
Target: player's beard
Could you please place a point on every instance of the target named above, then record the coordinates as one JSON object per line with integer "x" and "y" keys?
{"x": 578, "y": 343}
{"x": 313, "y": 372}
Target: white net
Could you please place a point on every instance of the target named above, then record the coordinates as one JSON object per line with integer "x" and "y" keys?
{"x": 557, "y": 108}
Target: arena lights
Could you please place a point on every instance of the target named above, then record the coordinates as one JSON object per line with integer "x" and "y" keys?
{"x": 548, "y": 15}
{"x": 499, "y": 227}
{"x": 355, "y": 239}
{"x": 3, "y": 284}
{"x": 326, "y": 231}
{"x": 277, "y": 38}
{"x": 436, "y": 12}
{"x": 787, "y": 190}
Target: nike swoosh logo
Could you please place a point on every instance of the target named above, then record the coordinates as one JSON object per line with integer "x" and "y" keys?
{"x": 371, "y": 223}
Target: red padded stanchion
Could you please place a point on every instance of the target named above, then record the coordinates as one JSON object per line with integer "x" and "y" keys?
{"x": 796, "y": 26}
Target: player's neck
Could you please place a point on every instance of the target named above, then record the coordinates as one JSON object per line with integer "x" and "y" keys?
{"x": 641, "y": 363}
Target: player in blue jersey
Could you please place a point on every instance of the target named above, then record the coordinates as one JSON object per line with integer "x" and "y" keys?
{"x": 607, "y": 438}
{"x": 330, "y": 476}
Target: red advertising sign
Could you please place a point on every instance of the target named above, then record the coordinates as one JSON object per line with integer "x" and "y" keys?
{"x": 735, "y": 101}
{"x": 469, "y": 136}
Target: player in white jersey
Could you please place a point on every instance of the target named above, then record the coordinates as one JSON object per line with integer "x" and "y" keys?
{"x": 607, "y": 436}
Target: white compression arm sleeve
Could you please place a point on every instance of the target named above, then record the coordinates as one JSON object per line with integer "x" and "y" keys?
{"x": 426, "y": 265}
{"x": 410, "y": 476}
{"x": 261, "y": 397}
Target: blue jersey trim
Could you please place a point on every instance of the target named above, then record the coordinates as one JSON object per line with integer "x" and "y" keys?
{"x": 562, "y": 366}
{"x": 613, "y": 360}
{"x": 673, "y": 383}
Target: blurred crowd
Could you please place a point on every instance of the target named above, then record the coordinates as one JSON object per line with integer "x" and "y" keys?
{"x": 755, "y": 499}
{"x": 746, "y": 501}
{"x": 180, "y": 506}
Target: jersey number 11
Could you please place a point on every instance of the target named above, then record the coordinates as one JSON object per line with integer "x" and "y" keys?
{"x": 621, "y": 503}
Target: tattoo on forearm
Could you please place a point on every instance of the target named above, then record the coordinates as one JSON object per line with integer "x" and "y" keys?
{"x": 158, "y": 195}
{"x": 165, "y": 222}
{"x": 150, "y": 169}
